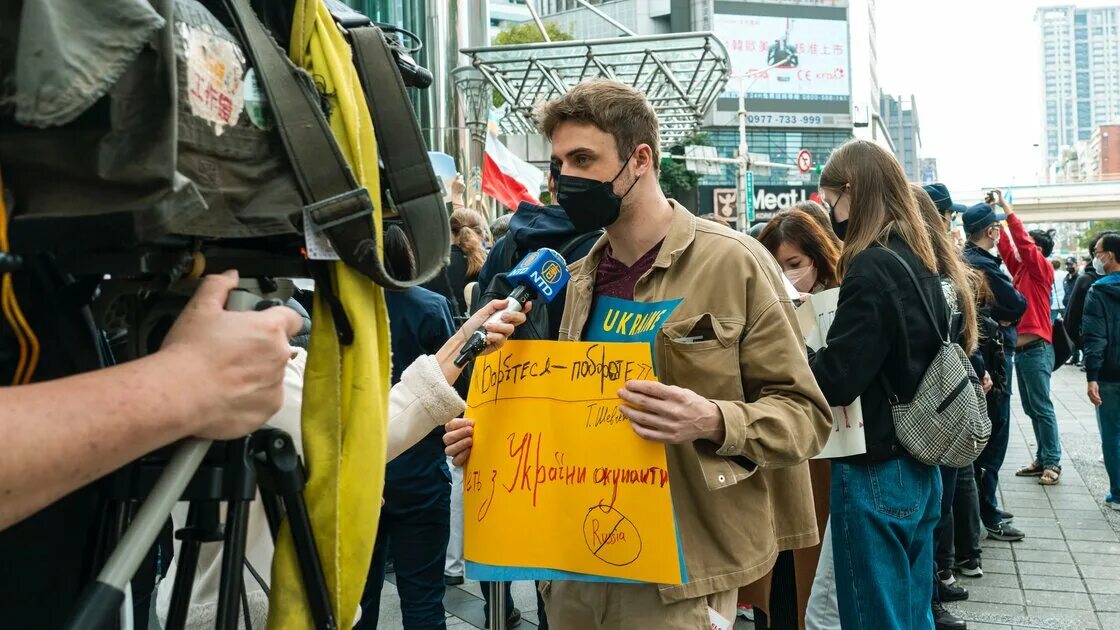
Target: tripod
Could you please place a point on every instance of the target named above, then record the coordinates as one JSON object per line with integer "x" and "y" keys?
{"x": 231, "y": 473}
{"x": 207, "y": 474}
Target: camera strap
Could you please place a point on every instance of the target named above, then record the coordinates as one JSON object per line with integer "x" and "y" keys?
{"x": 336, "y": 204}
{"x": 412, "y": 191}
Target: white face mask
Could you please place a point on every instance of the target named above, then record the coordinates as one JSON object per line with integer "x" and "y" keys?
{"x": 1098, "y": 266}
{"x": 803, "y": 279}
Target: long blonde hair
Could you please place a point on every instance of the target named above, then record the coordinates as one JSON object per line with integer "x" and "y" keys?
{"x": 467, "y": 231}
{"x": 950, "y": 265}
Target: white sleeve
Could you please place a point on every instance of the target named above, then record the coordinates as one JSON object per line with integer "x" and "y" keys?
{"x": 420, "y": 402}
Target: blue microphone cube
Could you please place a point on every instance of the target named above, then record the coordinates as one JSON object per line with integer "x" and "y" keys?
{"x": 544, "y": 271}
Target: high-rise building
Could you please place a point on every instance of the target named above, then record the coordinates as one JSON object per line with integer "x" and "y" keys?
{"x": 900, "y": 117}
{"x": 929, "y": 170}
{"x": 801, "y": 59}
{"x": 1080, "y": 72}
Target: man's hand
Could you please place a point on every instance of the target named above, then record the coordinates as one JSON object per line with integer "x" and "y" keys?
{"x": 1094, "y": 393}
{"x": 671, "y": 415}
{"x": 459, "y": 438}
{"x": 1002, "y": 203}
{"x": 233, "y": 361}
{"x": 986, "y": 382}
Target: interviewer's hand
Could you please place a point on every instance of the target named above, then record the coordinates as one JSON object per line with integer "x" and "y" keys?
{"x": 497, "y": 333}
{"x": 232, "y": 362}
{"x": 459, "y": 438}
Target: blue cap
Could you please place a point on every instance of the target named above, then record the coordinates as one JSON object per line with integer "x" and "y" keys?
{"x": 980, "y": 216}
{"x": 941, "y": 198}
{"x": 958, "y": 208}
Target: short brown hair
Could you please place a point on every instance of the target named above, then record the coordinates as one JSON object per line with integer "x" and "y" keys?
{"x": 804, "y": 231}
{"x": 615, "y": 108}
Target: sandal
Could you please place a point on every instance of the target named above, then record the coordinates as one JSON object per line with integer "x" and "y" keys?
{"x": 1033, "y": 470}
{"x": 1050, "y": 476}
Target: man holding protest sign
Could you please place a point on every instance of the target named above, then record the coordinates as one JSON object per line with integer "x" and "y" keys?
{"x": 737, "y": 405}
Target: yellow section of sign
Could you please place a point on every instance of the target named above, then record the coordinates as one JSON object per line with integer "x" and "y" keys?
{"x": 557, "y": 478}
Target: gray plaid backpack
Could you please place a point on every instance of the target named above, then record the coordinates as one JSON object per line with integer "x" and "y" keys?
{"x": 947, "y": 421}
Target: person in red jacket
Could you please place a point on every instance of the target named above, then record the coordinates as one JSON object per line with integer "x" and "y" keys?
{"x": 1026, "y": 258}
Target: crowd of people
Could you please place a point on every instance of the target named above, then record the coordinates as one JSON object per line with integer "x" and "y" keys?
{"x": 1000, "y": 290}
{"x": 871, "y": 540}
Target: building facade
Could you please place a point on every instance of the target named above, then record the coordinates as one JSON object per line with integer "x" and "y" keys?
{"x": 1080, "y": 73}
{"x": 799, "y": 56}
{"x": 900, "y": 118}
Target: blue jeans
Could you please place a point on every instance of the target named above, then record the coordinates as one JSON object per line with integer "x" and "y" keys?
{"x": 1108, "y": 420}
{"x": 1035, "y": 366}
{"x": 882, "y": 518}
{"x": 415, "y": 536}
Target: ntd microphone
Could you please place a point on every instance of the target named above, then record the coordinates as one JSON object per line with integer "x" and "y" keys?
{"x": 541, "y": 274}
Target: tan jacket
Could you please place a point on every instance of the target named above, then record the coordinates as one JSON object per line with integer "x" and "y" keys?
{"x": 739, "y": 503}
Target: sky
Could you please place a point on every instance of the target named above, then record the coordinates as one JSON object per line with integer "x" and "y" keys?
{"x": 975, "y": 69}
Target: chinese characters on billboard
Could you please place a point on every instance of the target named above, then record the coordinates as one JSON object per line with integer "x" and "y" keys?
{"x": 796, "y": 59}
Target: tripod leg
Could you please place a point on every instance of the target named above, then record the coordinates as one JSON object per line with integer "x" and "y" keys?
{"x": 311, "y": 567}
{"x": 202, "y": 526}
{"x": 281, "y": 474}
{"x": 103, "y": 598}
{"x": 237, "y": 524}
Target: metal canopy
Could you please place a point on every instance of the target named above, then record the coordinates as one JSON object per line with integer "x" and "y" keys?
{"x": 681, "y": 74}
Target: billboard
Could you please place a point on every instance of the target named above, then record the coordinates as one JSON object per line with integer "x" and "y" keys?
{"x": 796, "y": 58}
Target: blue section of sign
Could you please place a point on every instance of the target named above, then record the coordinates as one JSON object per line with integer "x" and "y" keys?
{"x": 493, "y": 573}
{"x": 614, "y": 319}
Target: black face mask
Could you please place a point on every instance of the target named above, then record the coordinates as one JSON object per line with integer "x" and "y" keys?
{"x": 590, "y": 203}
{"x": 840, "y": 227}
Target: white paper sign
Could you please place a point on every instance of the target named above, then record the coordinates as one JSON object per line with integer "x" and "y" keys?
{"x": 717, "y": 620}
{"x": 815, "y": 318}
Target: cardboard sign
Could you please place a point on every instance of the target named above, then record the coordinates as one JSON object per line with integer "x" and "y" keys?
{"x": 847, "y": 437}
{"x": 558, "y": 483}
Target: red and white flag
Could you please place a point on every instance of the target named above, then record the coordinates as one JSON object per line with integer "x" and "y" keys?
{"x": 508, "y": 178}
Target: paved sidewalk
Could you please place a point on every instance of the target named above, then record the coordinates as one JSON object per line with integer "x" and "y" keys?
{"x": 1065, "y": 574}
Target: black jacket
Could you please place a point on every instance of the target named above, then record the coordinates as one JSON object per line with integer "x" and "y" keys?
{"x": 1067, "y": 287}
{"x": 1101, "y": 326}
{"x": 531, "y": 228}
{"x": 880, "y": 327}
{"x": 419, "y": 322}
{"x": 451, "y": 281}
{"x": 1075, "y": 310}
{"x": 1009, "y": 305}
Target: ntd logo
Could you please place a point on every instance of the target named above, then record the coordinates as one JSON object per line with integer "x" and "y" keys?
{"x": 551, "y": 272}
{"x": 543, "y": 270}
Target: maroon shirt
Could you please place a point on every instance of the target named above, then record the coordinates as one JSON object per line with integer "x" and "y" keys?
{"x": 616, "y": 279}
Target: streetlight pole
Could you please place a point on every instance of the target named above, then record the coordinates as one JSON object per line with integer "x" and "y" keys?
{"x": 744, "y": 158}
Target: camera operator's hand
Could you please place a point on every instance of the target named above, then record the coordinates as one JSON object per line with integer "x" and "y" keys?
{"x": 234, "y": 360}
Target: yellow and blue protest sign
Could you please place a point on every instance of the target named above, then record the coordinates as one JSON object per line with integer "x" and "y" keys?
{"x": 558, "y": 485}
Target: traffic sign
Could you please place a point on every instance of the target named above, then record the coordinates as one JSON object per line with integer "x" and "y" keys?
{"x": 804, "y": 161}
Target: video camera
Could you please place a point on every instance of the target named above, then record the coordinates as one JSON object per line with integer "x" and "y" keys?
{"x": 225, "y": 159}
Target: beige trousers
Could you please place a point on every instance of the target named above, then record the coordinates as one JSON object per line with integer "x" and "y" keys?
{"x": 611, "y": 606}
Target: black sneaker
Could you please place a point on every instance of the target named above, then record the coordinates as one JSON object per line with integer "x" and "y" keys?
{"x": 1005, "y": 531}
{"x": 951, "y": 592}
{"x": 969, "y": 568}
{"x": 945, "y": 620}
{"x": 946, "y": 577}
{"x": 1004, "y": 517}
